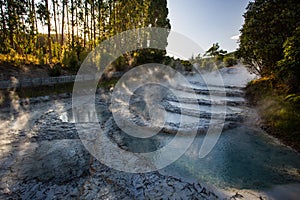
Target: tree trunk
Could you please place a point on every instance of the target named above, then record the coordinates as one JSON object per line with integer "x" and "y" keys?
{"x": 76, "y": 22}
{"x": 85, "y": 24}
{"x": 33, "y": 16}
{"x": 54, "y": 16}
{"x": 68, "y": 23}
{"x": 94, "y": 28}
{"x": 3, "y": 20}
{"x": 10, "y": 23}
{"x": 62, "y": 23}
{"x": 99, "y": 18}
{"x": 49, "y": 31}
{"x": 72, "y": 22}
{"x": 91, "y": 26}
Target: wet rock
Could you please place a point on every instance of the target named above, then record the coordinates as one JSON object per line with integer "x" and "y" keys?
{"x": 55, "y": 169}
{"x": 57, "y": 161}
{"x": 237, "y": 196}
{"x": 45, "y": 98}
{"x": 152, "y": 185}
{"x": 64, "y": 95}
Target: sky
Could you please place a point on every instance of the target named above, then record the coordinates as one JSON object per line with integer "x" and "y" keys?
{"x": 208, "y": 21}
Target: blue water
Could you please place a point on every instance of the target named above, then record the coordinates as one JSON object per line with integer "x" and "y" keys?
{"x": 243, "y": 158}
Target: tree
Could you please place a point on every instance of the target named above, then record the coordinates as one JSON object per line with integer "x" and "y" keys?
{"x": 215, "y": 51}
{"x": 82, "y": 24}
{"x": 268, "y": 24}
{"x": 289, "y": 66}
{"x": 63, "y": 22}
{"x": 3, "y": 36}
{"x": 54, "y": 4}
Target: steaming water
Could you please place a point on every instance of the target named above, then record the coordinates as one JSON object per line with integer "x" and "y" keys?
{"x": 101, "y": 114}
{"x": 244, "y": 157}
{"x": 229, "y": 109}
{"x": 185, "y": 94}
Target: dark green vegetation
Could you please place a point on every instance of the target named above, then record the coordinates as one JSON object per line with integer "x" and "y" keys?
{"x": 270, "y": 47}
{"x": 214, "y": 58}
{"x": 72, "y": 29}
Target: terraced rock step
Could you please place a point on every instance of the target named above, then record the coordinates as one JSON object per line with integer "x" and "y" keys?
{"x": 205, "y": 108}
{"x": 234, "y": 116}
{"x": 207, "y": 102}
{"x": 198, "y": 111}
{"x": 201, "y": 84}
{"x": 230, "y": 92}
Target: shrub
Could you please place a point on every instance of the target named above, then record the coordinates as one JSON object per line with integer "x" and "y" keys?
{"x": 229, "y": 61}
{"x": 70, "y": 60}
{"x": 55, "y": 70}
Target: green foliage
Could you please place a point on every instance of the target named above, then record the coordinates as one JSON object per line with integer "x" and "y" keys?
{"x": 283, "y": 117}
{"x": 268, "y": 24}
{"x": 55, "y": 70}
{"x": 56, "y": 50}
{"x": 171, "y": 62}
{"x": 196, "y": 60}
{"x": 256, "y": 89}
{"x": 270, "y": 47}
{"x": 149, "y": 55}
{"x": 119, "y": 64}
{"x": 213, "y": 59}
{"x": 215, "y": 51}
{"x": 86, "y": 25}
{"x": 208, "y": 64}
{"x": 107, "y": 84}
{"x": 280, "y": 114}
{"x": 229, "y": 61}
{"x": 18, "y": 60}
{"x": 187, "y": 65}
{"x": 168, "y": 60}
{"x": 70, "y": 60}
{"x": 289, "y": 66}
{"x": 83, "y": 54}
{"x": 293, "y": 98}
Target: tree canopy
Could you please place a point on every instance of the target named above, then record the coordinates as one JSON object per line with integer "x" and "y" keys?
{"x": 215, "y": 50}
{"x": 73, "y": 27}
{"x": 268, "y": 25}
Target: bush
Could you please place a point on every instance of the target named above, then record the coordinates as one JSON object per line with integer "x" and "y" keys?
{"x": 208, "y": 64}
{"x": 187, "y": 65}
{"x": 229, "y": 61}
{"x": 18, "y": 59}
{"x": 70, "y": 60}
{"x": 120, "y": 63}
{"x": 144, "y": 56}
{"x": 83, "y": 55}
{"x": 280, "y": 113}
{"x": 55, "y": 70}
{"x": 289, "y": 67}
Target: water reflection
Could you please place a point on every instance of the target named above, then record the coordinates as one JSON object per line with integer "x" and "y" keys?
{"x": 101, "y": 115}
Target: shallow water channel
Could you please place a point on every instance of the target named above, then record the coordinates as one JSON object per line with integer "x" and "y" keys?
{"x": 244, "y": 156}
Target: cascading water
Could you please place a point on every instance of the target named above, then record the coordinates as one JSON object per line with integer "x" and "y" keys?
{"x": 244, "y": 156}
